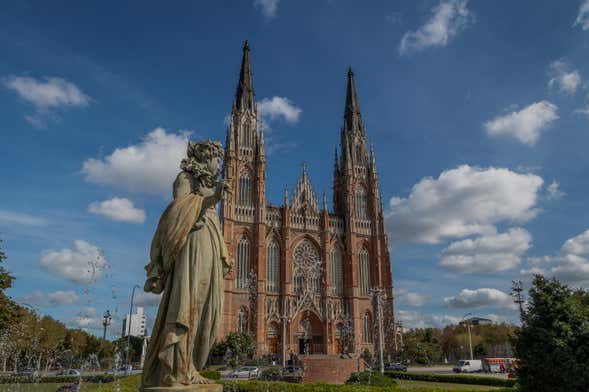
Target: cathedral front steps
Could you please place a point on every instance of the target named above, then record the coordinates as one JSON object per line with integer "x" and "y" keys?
{"x": 329, "y": 369}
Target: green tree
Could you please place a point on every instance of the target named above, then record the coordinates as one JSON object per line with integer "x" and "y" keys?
{"x": 8, "y": 310}
{"x": 236, "y": 347}
{"x": 553, "y": 342}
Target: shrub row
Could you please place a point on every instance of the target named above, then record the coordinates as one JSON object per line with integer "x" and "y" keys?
{"x": 454, "y": 378}
{"x": 210, "y": 374}
{"x": 95, "y": 379}
{"x": 264, "y": 386}
{"x": 370, "y": 378}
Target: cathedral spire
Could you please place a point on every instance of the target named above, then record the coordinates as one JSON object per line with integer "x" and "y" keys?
{"x": 352, "y": 117}
{"x": 244, "y": 97}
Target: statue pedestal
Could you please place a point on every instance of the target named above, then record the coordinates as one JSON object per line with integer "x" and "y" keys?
{"x": 187, "y": 388}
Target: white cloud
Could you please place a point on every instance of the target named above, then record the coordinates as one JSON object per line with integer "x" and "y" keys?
{"x": 85, "y": 264}
{"x": 583, "y": 16}
{"x": 149, "y": 166}
{"x": 554, "y": 192}
{"x": 487, "y": 253}
{"x": 525, "y": 125}
{"x": 147, "y": 299}
{"x": 570, "y": 265}
{"x": 17, "y": 218}
{"x": 584, "y": 111}
{"x": 276, "y": 107}
{"x": 269, "y": 8}
{"x": 406, "y": 297}
{"x": 448, "y": 19}
{"x": 461, "y": 202}
{"x": 413, "y": 319}
{"x": 564, "y": 78}
{"x": 480, "y": 298}
{"x": 45, "y": 95}
{"x": 118, "y": 209}
{"x": 54, "y": 298}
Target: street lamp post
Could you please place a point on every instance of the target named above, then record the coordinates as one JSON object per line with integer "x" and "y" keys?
{"x": 105, "y": 322}
{"x": 129, "y": 324}
{"x": 467, "y": 321}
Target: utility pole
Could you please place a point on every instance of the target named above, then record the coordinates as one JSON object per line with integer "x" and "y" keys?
{"x": 127, "y": 359}
{"x": 516, "y": 292}
{"x": 106, "y": 322}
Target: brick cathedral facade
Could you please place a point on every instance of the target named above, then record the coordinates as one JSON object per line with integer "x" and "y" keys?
{"x": 303, "y": 275}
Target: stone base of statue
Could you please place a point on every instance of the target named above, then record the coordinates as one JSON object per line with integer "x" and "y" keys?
{"x": 187, "y": 388}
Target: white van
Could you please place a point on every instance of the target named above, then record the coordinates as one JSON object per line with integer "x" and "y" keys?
{"x": 468, "y": 366}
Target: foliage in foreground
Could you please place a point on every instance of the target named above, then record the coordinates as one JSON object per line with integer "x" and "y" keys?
{"x": 94, "y": 379}
{"x": 371, "y": 378}
{"x": 553, "y": 342}
{"x": 235, "y": 348}
{"x": 453, "y": 378}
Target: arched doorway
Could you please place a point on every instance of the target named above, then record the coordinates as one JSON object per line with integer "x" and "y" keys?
{"x": 273, "y": 338}
{"x": 308, "y": 335}
{"x": 338, "y": 339}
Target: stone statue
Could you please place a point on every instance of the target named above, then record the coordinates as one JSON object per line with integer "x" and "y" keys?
{"x": 188, "y": 262}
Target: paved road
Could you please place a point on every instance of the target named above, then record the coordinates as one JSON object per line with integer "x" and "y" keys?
{"x": 448, "y": 370}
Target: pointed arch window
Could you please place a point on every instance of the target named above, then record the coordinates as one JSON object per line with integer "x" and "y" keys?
{"x": 243, "y": 262}
{"x": 337, "y": 272}
{"x": 307, "y": 266}
{"x": 245, "y": 190}
{"x": 273, "y": 267}
{"x": 246, "y": 134}
{"x": 367, "y": 328}
{"x": 364, "y": 271}
{"x": 242, "y": 321}
{"x": 361, "y": 203}
{"x": 359, "y": 155}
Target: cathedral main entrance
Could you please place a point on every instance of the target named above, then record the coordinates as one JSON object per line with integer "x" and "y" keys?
{"x": 308, "y": 336}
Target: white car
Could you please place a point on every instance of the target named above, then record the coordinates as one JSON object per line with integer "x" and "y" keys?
{"x": 245, "y": 372}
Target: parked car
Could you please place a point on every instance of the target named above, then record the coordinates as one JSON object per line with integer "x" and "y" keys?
{"x": 468, "y": 366}
{"x": 396, "y": 367}
{"x": 292, "y": 374}
{"x": 29, "y": 372}
{"x": 69, "y": 372}
{"x": 245, "y": 372}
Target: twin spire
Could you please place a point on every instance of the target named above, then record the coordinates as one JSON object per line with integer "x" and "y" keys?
{"x": 352, "y": 116}
{"x": 244, "y": 97}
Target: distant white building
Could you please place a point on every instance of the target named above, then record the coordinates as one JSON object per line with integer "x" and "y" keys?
{"x": 135, "y": 324}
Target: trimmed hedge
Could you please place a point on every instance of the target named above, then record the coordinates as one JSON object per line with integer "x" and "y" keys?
{"x": 210, "y": 374}
{"x": 270, "y": 386}
{"x": 94, "y": 379}
{"x": 375, "y": 379}
{"x": 454, "y": 379}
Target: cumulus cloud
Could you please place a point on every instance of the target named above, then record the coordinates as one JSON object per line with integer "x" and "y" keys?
{"x": 54, "y": 298}
{"x": 554, "y": 192}
{"x": 406, "y": 297}
{"x": 525, "y": 125}
{"x": 269, "y": 8}
{"x": 480, "y": 298}
{"x": 583, "y": 16}
{"x": 562, "y": 77}
{"x": 149, "y": 166}
{"x": 47, "y": 94}
{"x": 570, "y": 265}
{"x": 118, "y": 209}
{"x": 414, "y": 319}
{"x": 85, "y": 264}
{"x": 148, "y": 300}
{"x": 18, "y": 218}
{"x": 447, "y": 20}
{"x": 279, "y": 107}
{"x": 461, "y": 202}
{"x": 487, "y": 253}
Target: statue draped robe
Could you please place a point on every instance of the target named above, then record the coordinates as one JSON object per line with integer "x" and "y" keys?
{"x": 188, "y": 255}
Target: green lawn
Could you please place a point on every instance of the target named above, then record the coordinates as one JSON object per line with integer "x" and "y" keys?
{"x": 442, "y": 386}
{"x": 47, "y": 387}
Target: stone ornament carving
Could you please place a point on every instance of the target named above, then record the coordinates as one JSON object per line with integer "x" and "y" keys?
{"x": 188, "y": 263}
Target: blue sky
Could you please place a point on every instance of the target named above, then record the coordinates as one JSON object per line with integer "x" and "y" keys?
{"x": 478, "y": 111}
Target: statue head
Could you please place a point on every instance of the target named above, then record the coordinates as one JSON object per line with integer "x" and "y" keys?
{"x": 203, "y": 160}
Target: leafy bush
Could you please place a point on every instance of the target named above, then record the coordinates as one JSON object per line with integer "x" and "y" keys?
{"x": 235, "y": 348}
{"x": 265, "y": 386}
{"x": 553, "y": 343}
{"x": 210, "y": 374}
{"x": 371, "y": 378}
{"x": 273, "y": 373}
{"x": 453, "y": 378}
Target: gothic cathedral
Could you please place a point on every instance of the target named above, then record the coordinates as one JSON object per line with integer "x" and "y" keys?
{"x": 306, "y": 279}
